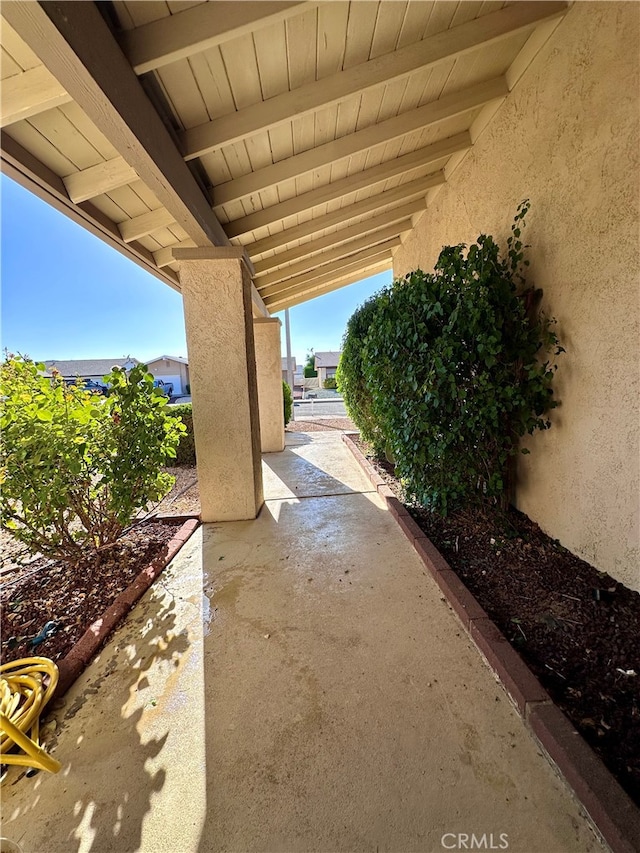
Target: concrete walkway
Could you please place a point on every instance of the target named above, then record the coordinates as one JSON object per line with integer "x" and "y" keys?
{"x": 319, "y": 695}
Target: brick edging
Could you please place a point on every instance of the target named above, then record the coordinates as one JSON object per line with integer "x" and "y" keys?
{"x": 609, "y": 806}
{"x": 76, "y": 661}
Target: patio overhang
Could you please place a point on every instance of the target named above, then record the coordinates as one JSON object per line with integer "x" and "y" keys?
{"x": 312, "y": 135}
{"x": 252, "y": 156}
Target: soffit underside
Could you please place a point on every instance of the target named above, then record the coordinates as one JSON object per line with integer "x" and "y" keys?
{"x": 345, "y": 165}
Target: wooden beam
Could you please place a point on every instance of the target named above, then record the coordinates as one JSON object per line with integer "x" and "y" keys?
{"x": 392, "y": 219}
{"x": 179, "y": 36}
{"x": 27, "y": 94}
{"x": 259, "y": 309}
{"x": 346, "y": 264}
{"x": 20, "y": 165}
{"x": 147, "y": 223}
{"x": 422, "y": 157}
{"x": 163, "y": 257}
{"x": 333, "y": 282}
{"x": 440, "y": 47}
{"x": 397, "y": 196}
{"x": 99, "y": 179}
{"x": 74, "y": 42}
{"x": 333, "y": 254}
{"x": 428, "y": 115}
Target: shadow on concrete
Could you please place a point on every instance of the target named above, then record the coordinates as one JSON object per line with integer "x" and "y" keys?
{"x": 289, "y": 474}
{"x": 100, "y": 739}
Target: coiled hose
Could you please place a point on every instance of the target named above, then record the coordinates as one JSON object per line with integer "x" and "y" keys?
{"x": 23, "y": 696}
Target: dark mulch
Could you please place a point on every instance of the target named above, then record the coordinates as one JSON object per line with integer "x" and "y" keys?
{"x": 577, "y": 628}
{"x": 46, "y": 590}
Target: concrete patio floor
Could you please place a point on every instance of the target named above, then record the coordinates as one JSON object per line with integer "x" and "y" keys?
{"x": 295, "y": 683}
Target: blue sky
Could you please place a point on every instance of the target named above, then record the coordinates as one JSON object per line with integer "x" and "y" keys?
{"x": 66, "y": 294}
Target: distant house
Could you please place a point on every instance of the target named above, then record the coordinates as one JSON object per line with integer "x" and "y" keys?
{"x": 326, "y": 363}
{"x": 91, "y": 368}
{"x": 294, "y": 367}
{"x": 171, "y": 369}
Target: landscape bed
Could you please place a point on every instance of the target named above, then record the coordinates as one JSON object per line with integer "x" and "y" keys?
{"x": 576, "y": 627}
{"x": 48, "y": 591}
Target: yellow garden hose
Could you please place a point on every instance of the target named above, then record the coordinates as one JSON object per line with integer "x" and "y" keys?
{"x": 23, "y": 696}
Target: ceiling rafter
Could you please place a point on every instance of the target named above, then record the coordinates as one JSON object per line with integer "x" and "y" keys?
{"x": 27, "y": 94}
{"x": 398, "y": 219}
{"x": 146, "y": 223}
{"x": 76, "y": 45}
{"x": 399, "y": 196}
{"x": 99, "y": 179}
{"x": 279, "y": 304}
{"x": 347, "y": 263}
{"x": 440, "y": 47}
{"x": 20, "y": 165}
{"x": 325, "y": 285}
{"x": 421, "y": 158}
{"x": 428, "y": 115}
{"x": 163, "y": 257}
{"x": 333, "y": 254}
{"x": 199, "y": 28}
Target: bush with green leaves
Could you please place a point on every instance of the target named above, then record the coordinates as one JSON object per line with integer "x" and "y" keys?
{"x": 456, "y": 367}
{"x": 330, "y": 383}
{"x": 287, "y": 397}
{"x": 351, "y": 379}
{"x": 186, "y": 452}
{"x": 74, "y": 467}
{"x": 309, "y": 371}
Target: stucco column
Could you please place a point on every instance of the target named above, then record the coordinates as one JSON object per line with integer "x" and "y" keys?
{"x": 216, "y": 290}
{"x": 266, "y": 332}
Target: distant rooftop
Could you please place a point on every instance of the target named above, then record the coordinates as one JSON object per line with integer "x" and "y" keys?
{"x": 327, "y": 359}
{"x": 87, "y": 367}
{"x": 178, "y": 358}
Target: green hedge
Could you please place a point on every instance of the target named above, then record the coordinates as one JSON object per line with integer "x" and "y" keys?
{"x": 350, "y": 375}
{"x": 186, "y": 454}
{"x": 450, "y": 369}
{"x": 288, "y": 402}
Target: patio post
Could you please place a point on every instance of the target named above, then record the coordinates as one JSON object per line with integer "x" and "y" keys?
{"x": 216, "y": 290}
{"x": 266, "y": 332}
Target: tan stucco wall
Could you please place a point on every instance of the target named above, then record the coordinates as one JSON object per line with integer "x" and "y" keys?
{"x": 567, "y": 138}
{"x": 222, "y": 363}
{"x": 266, "y": 335}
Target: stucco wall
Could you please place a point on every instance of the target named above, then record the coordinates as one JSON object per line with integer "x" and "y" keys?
{"x": 567, "y": 138}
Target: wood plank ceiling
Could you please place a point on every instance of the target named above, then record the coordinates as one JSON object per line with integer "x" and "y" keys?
{"x": 314, "y": 134}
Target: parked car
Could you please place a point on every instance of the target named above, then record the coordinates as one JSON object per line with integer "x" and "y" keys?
{"x": 95, "y": 387}
{"x": 165, "y": 387}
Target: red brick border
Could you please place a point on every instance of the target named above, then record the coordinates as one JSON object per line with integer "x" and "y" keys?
{"x": 77, "y": 660}
{"x": 610, "y": 808}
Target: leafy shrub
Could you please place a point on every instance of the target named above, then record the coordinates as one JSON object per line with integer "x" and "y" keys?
{"x": 74, "y": 467}
{"x": 186, "y": 452}
{"x": 350, "y": 375}
{"x": 309, "y": 366}
{"x": 330, "y": 382}
{"x": 288, "y": 402}
{"x": 454, "y": 371}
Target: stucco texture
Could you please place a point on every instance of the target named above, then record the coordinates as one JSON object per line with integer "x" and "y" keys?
{"x": 266, "y": 335}
{"x": 222, "y": 364}
{"x": 567, "y": 138}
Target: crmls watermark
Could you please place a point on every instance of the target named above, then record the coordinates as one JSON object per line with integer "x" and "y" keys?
{"x": 471, "y": 841}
